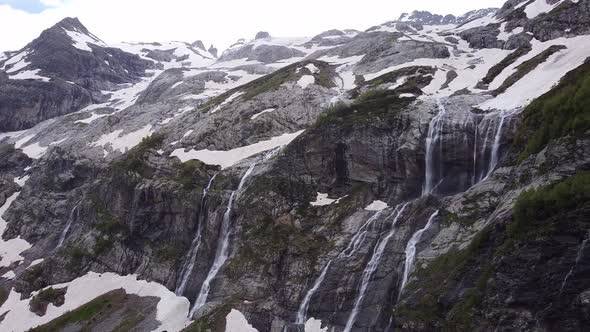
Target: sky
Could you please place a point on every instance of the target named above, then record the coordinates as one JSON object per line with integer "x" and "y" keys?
{"x": 218, "y": 22}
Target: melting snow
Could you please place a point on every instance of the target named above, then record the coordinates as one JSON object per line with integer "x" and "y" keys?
{"x": 172, "y": 310}
{"x": 29, "y": 75}
{"x": 10, "y": 250}
{"x": 269, "y": 110}
{"x": 82, "y": 40}
{"x": 305, "y": 81}
{"x": 229, "y": 158}
{"x": 323, "y": 200}
{"x": 236, "y": 322}
{"x": 227, "y": 101}
{"x": 539, "y": 7}
{"x": 542, "y": 78}
{"x": 35, "y": 150}
{"x": 314, "y": 325}
{"x": 125, "y": 142}
{"x": 377, "y": 206}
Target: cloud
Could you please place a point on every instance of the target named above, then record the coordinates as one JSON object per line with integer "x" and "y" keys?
{"x": 217, "y": 22}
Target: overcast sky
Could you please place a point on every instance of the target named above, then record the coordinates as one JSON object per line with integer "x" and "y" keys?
{"x": 220, "y": 22}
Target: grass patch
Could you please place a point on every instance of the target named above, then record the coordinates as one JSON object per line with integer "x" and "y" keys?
{"x": 507, "y": 61}
{"x": 188, "y": 172}
{"x": 371, "y": 106}
{"x": 86, "y": 314}
{"x": 561, "y": 112}
{"x": 134, "y": 162}
{"x": 528, "y": 66}
{"x": 39, "y": 302}
{"x": 546, "y": 202}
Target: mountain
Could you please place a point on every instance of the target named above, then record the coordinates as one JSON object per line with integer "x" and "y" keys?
{"x": 428, "y": 174}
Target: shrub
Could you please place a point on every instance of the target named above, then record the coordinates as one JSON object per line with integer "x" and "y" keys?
{"x": 543, "y": 203}
{"x": 561, "y": 112}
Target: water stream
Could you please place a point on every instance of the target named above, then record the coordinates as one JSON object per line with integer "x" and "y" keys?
{"x": 191, "y": 256}
{"x": 411, "y": 251}
{"x": 434, "y": 139}
{"x": 222, "y": 251}
{"x": 372, "y": 267}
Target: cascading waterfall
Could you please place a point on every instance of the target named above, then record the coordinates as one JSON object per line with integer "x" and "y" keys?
{"x": 474, "y": 178}
{"x": 576, "y": 262}
{"x": 359, "y": 237}
{"x": 353, "y": 246}
{"x": 496, "y": 145}
{"x": 411, "y": 251}
{"x": 222, "y": 251}
{"x": 372, "y": 266}
{"x": 302, "y": 312}
{"x": 191, "y": 257}
{"x": 64, "y": 232}
{"x": 435, "y": 131}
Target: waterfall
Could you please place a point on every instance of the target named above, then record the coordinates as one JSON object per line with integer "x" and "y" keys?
{"x": 435, "y": 131}
{"x": 496, "y": 145}
{"x": 222, "y": 251}
{"x": 353, "y": 246}
{"x": 359, "y": 237}
{"x": 191, "y": 257}
{"x": 302, "y": 312}
{"x": 474, "y": 177}
{"x": 411, "y": 251}
{"x": 372, "y": 267}
{"x": 66, "y": 229}
{"x": 576, "y": 262}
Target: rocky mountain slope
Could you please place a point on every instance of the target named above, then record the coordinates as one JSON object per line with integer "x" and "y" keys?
{"x": 428, "y": 174}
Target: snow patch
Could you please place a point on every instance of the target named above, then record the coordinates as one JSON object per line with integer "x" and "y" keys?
{"x": 229, "y": 158}
{"x": 323, "y": 200}
{"x": 539, "y": 7}
{"x": 236, "y": 322}
{"x": 172, "y": 310}
{"x": 314, "y": 325}
{"x": 10, "y": 250}
{"x": 227, "y": 101}
{"x": 377, "y": 206}
{"x": 29, "y": 75}
{"x": 125, "y": 142}
{"x": 81, "y": 40}
{"x": 305, "y": 81}
{"x": 268, "y": 110}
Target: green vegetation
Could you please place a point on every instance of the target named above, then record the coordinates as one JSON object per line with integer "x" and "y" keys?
{"x": 188, "y": 171}
{"x": 39, "y": 302}
{"x": 561, "y": 112}
{"x": 535, "y": 206}
{"x": 371, "y": 106}
{"x": 507, "y": 61}
{"x": 528, "y": 66}
{"x": 34, "y": 277}
{"x": 133, "y": 162}
{"x": 87, "y": 315}
{"x": 213, "y": 321}
{"x": 435, "y": 281}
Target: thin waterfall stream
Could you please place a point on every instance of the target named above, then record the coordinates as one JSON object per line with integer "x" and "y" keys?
{"x": 191, "y": 256}
{"x": 434, "y": 139}
{"x": 411, "y": 251}
{"x": 372, "y": 266}
{"x": 222, "y": 251}
{"x": 64, "y": 232}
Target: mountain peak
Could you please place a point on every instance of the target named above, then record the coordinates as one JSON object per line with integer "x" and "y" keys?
{"x": 71, "y": 24}
{"x": 428, "y": 18}
{"x": 262, "y": 35}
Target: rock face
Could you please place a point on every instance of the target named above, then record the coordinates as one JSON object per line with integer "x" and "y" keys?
{"x": 71, "y": 67}
{"x": 359, "y": 181}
